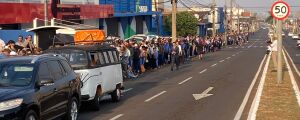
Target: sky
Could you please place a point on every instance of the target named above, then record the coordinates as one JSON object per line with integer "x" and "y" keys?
{"x": 258, "y": 6}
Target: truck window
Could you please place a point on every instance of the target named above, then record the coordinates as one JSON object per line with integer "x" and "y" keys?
{"x": 106, "y": 57}
{"x": 94, "y": 59}
{"x": 111, "y": 57}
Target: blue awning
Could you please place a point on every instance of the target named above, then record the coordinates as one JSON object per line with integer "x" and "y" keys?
{"x": 135, "y": 14}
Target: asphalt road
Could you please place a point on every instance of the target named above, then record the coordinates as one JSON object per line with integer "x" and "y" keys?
{"x": 290, "y": 45}
{"x": 164, "y": 95}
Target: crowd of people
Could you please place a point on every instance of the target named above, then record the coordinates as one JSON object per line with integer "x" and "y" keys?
{"x": 137, "y": 56}
{"x": 20, "y": 47}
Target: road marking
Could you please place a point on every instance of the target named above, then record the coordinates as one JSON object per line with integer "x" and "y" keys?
{"x": 213, "y": 65}
{"x": 256, "y": 100}
{"x": 221, "y": 61}
{"x": 116, "y": 117}
{"x": 261, "y": 43}
{"x": 127, "y": 90}
{"x": 236, "y": 47}
{"x": 204, "y": 94}
{"x": 155, "y": 96}
{"x": 233, "y": 55}
{"x": 255, "y": 46}
{"x": 246, "y": 98}
{"x": 203, "y": 71}
{"x": 297, "y": 55}
{"x": 228, "y": 58}
{"x": 293, "y": 63}
{"x": 230, "y": 47}
{"x": 294, "y": 83}
{"x": 261, "y": 46}
{"x": 185, "y": 80}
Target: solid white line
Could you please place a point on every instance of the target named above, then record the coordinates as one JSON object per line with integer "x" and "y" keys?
{"x": 127, "y": 90}
{"x": 155, "y": 96}
{"x": 185, "y": 80}
{"x": 203, "y": 71}
{"x": 213, "y": 65}
{"x": 116, "y": 117}
{"x": 246, "y": 98}
{"x": 221, "y": 61}
{"x": 294, "y": 66}
{"x": 256, "y": 100}
{"x": 294, "y": 83}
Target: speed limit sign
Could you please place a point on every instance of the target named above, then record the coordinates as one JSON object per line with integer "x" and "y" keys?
{"x": 280, "y": 10}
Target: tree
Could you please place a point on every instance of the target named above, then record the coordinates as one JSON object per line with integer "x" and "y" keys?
{"x": 186, "y": 22}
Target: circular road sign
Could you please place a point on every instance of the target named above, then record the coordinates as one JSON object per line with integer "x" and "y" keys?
{"x": 280, "y": 10}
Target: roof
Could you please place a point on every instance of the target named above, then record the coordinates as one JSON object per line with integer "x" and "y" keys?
{"x": 49, "y": 28}
{"x": 17, "y": 59}
{"x": 83, "y": 47}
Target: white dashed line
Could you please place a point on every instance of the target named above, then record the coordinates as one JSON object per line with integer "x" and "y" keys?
{"x": 116, "y": 117}
{"x": 297, "y": 55}
{"x": 233, "y": 55}
{"x": 230, "y": 47}
{"x": 185, "y": 80}
{"x": 228, "y": 58}
{"x": 203, "y": 71}
{"x": 155, "y": 96}
{"x": 213, "y": 65}
{"x": 221, "y": 61}
{"x": 127, "y": 90}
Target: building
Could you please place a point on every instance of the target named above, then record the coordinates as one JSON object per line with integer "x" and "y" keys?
{"x": 122, "y": 18}
{"x": 132, "y": 17}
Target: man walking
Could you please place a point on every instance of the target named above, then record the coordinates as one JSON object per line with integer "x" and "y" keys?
{"x": 175, "y": 55}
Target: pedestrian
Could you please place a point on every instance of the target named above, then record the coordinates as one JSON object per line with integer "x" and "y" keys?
{"x": 274, "y": 51}
{"x": 175, "y": 56}
{"x": 28, "y": 43}
{"x": 200, "y": 49}
{"x": 20, "y": 41}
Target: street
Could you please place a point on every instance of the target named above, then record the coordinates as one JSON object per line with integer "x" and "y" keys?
{"x": 166, "y": 95}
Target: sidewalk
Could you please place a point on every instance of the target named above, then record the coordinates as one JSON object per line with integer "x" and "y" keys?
{"x": 278, "y": 101}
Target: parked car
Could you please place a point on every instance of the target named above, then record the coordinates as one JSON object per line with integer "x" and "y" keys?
{"x": 100, "y": 70}
{"x": 38, "y": 87}
{"x": 141, "y": 37}
{"x": 295, "y": 36}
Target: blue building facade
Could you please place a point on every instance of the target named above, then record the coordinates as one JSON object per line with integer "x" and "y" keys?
{"x": 131, "y": 17}
{"x": 204, "y": 27}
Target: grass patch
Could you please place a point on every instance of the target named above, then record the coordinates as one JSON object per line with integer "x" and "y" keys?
{"x": 278, "y": 101}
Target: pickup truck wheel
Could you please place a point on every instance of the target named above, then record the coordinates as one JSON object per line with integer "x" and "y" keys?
{"x": 96, "y": 103}
{"x": 31, "y": 115}
{"x": 116, "y": 95}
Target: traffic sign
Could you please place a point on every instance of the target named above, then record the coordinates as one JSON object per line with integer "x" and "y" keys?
{"x": 280, "y": 10}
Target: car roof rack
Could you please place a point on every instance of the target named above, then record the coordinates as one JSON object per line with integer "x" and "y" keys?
{"x": 44, "y": 55}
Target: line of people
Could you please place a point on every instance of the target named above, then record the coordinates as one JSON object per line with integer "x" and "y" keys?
{"x": 139, "y": 56}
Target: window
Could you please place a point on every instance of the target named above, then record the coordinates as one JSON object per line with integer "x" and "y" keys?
{"x": 101, "y": 58}
{"x": 15, "y": 74}
{"x": 111, "y": 57}
{"x": 116, "y": 56}
{"x": 94, "y": 59}
{"x": 66, "y": 66}
{"x": 55, "y": 69}
{"x": 106, "y": 57}
{"x": 44, "y": 72}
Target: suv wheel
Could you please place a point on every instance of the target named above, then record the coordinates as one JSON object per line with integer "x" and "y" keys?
{"x": 116, "y": 95}
{"x": 72, "y": 112}
{"x": 96, "y": 102}
{"x": 31, "y": 115}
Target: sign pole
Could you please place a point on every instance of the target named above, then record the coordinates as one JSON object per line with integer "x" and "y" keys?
{"x": 279, "y": 56}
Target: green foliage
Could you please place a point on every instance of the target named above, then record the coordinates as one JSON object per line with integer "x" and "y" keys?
{"x": 186, "y": 24}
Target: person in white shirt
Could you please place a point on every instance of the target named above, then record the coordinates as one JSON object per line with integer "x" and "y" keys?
{"x": 274, "y": 51}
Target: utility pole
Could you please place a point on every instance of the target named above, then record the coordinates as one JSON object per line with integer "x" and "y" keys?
{"x": 238, "y": 20}
{"x": 231, "y": 15}
{"x": 157, "y": 17}
{"x": 46, "y": 12}
{"x": 226, "y": 23}
{"x": 279, "y": 56}
{"x": 213, "y": 18}
{"x": 174, "y": 11}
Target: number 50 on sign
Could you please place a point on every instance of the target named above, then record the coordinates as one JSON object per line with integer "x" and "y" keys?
{"x": 280, "y": 10}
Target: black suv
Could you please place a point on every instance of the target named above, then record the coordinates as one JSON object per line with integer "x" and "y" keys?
{"x": 38, "y": 87}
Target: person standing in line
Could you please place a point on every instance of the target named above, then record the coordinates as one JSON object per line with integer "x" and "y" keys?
{"x": 274, "y": 51}
{"x": 175, "y": 56}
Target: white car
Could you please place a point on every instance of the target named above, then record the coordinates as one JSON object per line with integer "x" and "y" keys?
{"x": 290, "y": 34}
{"x": 295, "y": 36}
{"x": 298, "y": 43}
{"x": 99, "y": 69}
{"x": 144, "y": 37}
